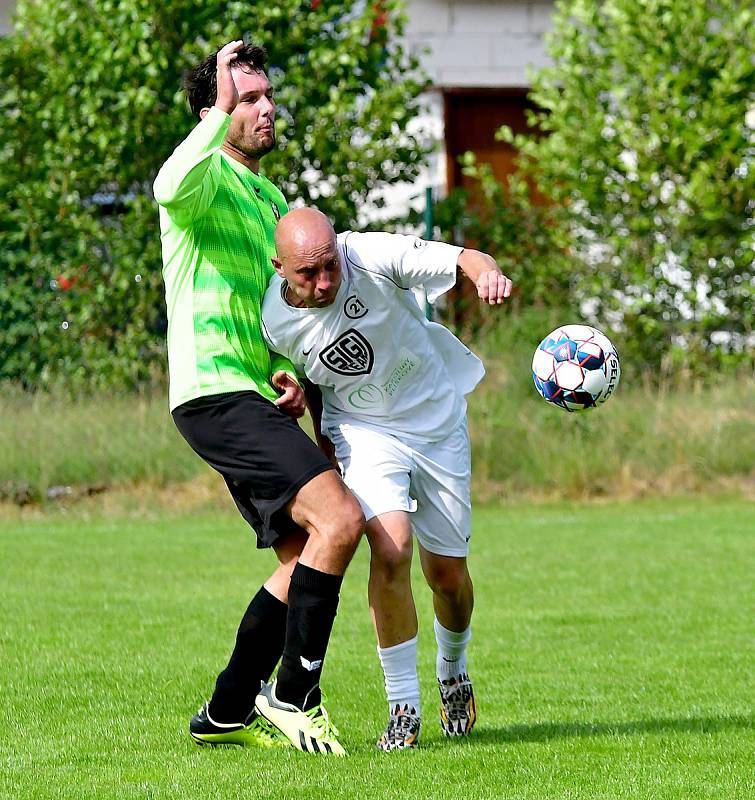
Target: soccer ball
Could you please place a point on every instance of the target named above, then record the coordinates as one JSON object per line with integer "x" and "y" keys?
{"x": 576, "y": 367}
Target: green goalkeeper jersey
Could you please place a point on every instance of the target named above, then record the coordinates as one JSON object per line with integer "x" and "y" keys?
{"x": 216, "y": 220}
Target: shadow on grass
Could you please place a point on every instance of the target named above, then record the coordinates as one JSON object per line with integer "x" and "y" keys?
{"x": 546, "y": 731}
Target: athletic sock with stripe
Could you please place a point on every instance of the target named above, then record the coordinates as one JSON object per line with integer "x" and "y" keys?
{"x": 451, "y": 659}
{"x": 312, "y": 605}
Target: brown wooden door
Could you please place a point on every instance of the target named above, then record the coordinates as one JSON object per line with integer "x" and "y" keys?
{"x": 472, "y": 117}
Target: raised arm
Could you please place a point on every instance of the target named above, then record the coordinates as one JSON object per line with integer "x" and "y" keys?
{"x": 185, "y": 180}
{"x": 227, "y": 94}
{"x": 492, "y": 285}
{"x": 410, "y": 261}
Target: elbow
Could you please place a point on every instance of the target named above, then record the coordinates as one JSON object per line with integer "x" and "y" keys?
{"x": 163, "y": 188}
{"x": 160, "y": 191}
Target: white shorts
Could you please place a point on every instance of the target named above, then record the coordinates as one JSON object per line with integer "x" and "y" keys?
{"x": 431, "y": 481}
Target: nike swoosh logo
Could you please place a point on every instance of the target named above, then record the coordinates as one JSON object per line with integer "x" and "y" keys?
{"x": 307, "y": 352}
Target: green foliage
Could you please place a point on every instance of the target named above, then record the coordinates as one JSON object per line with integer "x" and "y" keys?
{"x": 525, "y": 237}
{"x": 649, "y": 113}
{"x": 91, "y": 106}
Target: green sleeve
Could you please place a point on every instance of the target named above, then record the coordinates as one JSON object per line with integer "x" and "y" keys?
{"x": 188, "y": 180}
{"x": 279, "y": 362}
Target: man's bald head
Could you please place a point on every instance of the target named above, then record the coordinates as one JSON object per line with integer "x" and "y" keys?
{"x": 307, "y": 258}
{"x": 302, "y": 230}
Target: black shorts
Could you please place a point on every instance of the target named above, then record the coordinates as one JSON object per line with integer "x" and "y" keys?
{"x": 264, "y": 456}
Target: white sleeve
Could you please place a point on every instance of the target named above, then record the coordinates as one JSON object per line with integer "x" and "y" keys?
{"x": 273, "y": 327}
{"x": 407, "y": 260}
{"x": 268, "y": 336}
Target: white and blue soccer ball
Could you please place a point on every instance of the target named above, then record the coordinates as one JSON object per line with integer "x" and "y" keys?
{"x": 576, "y": 367}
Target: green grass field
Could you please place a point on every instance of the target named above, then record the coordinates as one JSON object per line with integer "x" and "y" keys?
{"x": 612, "y": 657}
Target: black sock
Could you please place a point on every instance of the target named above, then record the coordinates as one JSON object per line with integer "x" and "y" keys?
{"x": 259, "y": 644}
{"x": 312, "y": 604}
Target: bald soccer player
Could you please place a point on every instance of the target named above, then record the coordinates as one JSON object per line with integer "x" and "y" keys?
{"x": 391, "y": 411}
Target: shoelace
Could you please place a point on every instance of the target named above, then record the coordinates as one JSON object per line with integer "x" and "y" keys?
{"x": 321, "y": 722}
{"x": 400, "y": 724}
{"x": 266, "y": 728}
{"x": 455, "y": 699}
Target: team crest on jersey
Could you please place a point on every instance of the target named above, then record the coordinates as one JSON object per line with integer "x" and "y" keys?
{"x": 354, "y": 308}
{"x": 350, "y": 354}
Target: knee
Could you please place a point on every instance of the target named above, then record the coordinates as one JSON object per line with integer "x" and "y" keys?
{"x": 450, "y": 581}
{"x": 391, "y": 561}
{"x": 346, "y": 524}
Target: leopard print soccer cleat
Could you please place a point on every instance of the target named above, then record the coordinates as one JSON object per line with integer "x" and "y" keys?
{"x": 402, "y": 730}
{"x": 458, "y": 712}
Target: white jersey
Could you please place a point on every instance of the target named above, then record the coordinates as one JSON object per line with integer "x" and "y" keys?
{"x": 379, "y": 363}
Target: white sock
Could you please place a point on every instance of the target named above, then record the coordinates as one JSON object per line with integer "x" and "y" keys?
{"x": 452, "y": 651}
{"x": 400, "y": 669}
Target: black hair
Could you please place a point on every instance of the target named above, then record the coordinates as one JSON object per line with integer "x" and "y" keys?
{"x": 201, "y": 83}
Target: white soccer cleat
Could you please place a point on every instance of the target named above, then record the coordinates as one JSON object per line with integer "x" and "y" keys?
{"x": 310, "y": 731}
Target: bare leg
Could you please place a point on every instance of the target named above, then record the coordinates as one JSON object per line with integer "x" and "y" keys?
{"x": 390, "y": 591}
{"x": 453, "y": 599}
{"x": 395, "y": 618}
{"x": 333, "y": 519}
{"x": 453, "y": 595}
{"x": 287, "y": 550}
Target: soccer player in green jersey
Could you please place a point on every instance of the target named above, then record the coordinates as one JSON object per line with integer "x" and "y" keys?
{"x": 234, "y": 403}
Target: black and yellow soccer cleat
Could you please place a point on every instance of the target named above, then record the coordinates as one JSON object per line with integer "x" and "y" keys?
{"x": 254, "y": 731}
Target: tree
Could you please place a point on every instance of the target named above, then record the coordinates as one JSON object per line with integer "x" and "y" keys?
{"x": 649, "y": 116}
{"x": 92, "y": 107}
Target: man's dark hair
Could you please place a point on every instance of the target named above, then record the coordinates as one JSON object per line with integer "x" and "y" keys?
{"x": 201, "y": 84}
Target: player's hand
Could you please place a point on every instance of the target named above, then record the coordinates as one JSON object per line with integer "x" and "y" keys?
{"x": 493, "y": 287}
{"x": 228, "y": 94}
{"x": 291, "y": 400}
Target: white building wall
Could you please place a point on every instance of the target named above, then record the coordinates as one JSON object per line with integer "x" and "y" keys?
{"x": 466, "y": 44}
{"x": 479, "y": 43}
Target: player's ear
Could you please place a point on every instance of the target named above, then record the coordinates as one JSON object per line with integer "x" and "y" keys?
{"x": 203, "y": 112}
{"x": 277, "y": 265}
